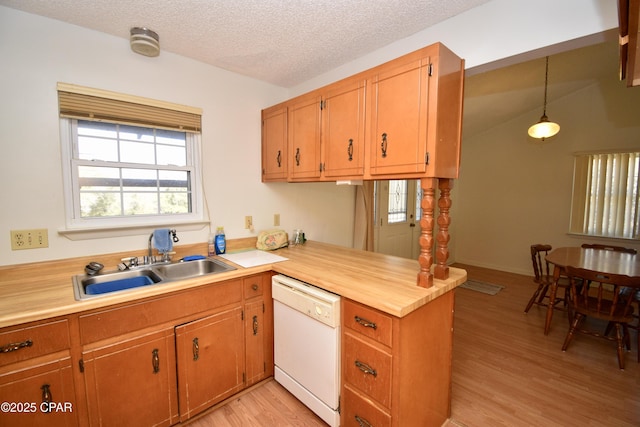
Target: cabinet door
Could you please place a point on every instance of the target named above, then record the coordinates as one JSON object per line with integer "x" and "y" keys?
{"x": 41, "y": 394}
{"x": 133, "y": 382}
{"x": 399, "y": 119}
{"x": 210, "y": 360}
{"x": 343, "y": 130}
{"x": 255, "y": 342}
{"x": 274, "y": 144}
{"x": 304, "y": 139}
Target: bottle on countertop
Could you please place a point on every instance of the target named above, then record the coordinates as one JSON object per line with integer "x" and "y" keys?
{"x": 211, "y": 245}
{"x": 220, "y": 241}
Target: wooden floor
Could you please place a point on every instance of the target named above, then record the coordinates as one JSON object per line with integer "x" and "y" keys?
{"x": 506, "y": 372}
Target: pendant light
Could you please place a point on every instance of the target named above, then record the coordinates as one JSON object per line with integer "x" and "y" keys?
{"x": 544, "y": 128}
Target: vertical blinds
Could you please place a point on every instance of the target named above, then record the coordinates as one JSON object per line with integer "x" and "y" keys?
{"x": 78, "y": 102}
{"x": 606, "y": 195}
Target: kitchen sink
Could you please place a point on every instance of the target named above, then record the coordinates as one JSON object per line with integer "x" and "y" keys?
{"x": 87, "y": 287}
{"x": 184, "y": 270}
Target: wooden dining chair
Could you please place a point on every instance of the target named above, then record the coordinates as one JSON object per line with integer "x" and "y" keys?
{"x": 609, "y": 248}
{"x": 601, "y": 296}
{"x": 543, "y": 277}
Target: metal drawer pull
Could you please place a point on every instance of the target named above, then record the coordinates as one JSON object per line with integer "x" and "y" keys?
{"x": 255, "y": 325}
{"x": 196, "y": 349}
{"x": 350, "y": 150}
{"x": 362, "y": 422}
{"x": 279, "y": 158}
{"x": 366, "y": 368}
{"x": 366, "y": 323}
{"x": 15, "y": 346}
{"x": 297, "y": 157}
{"x": 155, "y": 361}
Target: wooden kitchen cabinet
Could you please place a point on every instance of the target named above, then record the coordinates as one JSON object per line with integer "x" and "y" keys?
{"x": 36, "y": 375}
{"x": 343, "y": 121}
{"x": 258, "y": 332}
{"x": 132, "y": 381}
{"x": 399, "y": 120}
{"x": 304, "y": 138}
{"x": 274, "y": 144}
{"x": 326, "y": 133}
{"x": 397, "y": 371}
{"x": 210, "y": 360}
{"x": 416, "y": 115}
{"x": 39, "y": 392}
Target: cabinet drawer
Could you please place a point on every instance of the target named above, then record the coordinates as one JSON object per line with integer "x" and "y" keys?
{"x": 367, "y": 368}
{"x": 252, "y": 286}
{"x": 368, "y": 322}
{"x": 32, "y": 340}
{"x": 358, "y": 411}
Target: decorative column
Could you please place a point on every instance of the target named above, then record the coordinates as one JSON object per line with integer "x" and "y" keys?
{"x": 425, "y": 259}
{"x": 441, "y": 270}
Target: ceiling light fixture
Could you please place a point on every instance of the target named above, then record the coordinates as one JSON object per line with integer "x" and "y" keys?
{"x": 145, "y": 42}
{"x": 544, "y": 128}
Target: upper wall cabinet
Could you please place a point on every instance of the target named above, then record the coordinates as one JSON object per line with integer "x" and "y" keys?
{"x": 274, "y": 144}
{"x": 402, "y": 120}
{"x": 304, "y": 138}
{"x": 326, "y": 133}
{"x": 343, "y": 121}
{"x": 416, "y": 115}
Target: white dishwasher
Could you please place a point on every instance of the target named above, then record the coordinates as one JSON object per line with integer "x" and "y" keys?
{"x": 306, "y": 329}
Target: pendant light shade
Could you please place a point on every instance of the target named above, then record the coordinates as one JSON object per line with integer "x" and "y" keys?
{"x": 544, "y": 128}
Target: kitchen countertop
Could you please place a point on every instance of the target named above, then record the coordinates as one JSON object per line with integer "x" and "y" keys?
{"x": 31, "y": 292}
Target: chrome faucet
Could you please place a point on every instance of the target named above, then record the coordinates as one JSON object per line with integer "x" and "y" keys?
{"x": 150, "y": 259}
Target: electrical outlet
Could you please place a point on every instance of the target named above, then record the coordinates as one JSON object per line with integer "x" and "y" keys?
{"x": 248, "y": 222}
{"x": 29, "y": 239}
{"x": 276, "y": 220}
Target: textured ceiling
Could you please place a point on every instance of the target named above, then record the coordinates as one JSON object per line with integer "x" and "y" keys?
{"x": 284, "y": 42}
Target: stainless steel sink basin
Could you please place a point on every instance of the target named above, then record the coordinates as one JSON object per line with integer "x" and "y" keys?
{"x": 184, "y": 270}
{"x": 86, "y": 287}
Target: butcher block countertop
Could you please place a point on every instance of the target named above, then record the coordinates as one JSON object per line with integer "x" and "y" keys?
{"x": 31, "y": 292}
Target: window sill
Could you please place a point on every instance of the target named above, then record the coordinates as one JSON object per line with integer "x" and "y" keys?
{"x": 593, "y": 236}
{"x": 134, "y": 230}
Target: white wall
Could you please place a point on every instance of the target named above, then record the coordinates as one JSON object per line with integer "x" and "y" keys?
{"x": 36, "y": 53}
{"x": 513, "y": 192}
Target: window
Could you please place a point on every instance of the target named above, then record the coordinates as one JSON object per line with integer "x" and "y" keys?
{"x": 606, "y": 195}
{"x": 127, "y": 165}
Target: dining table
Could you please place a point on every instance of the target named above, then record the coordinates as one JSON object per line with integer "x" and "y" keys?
{"x": 600, "y": 260}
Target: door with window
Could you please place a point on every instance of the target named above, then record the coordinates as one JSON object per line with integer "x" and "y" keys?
{"x": 397, "y": 214}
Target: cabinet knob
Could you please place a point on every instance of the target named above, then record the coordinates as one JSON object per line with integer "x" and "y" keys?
{"x": 254, "y": 287}
{"x": 155, "y": 361}
{"x": 196, "y": 349}
{"x": 383, "y": 145}
{"x": 46, "y": 395}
